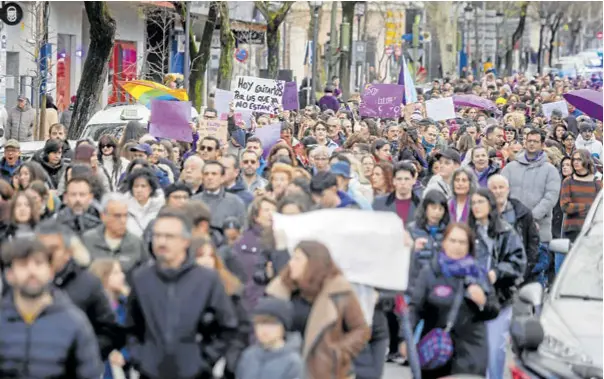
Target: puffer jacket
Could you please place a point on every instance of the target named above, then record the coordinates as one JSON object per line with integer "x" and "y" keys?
{"x": 82, "y": 223}
{"x": 139, "y": 216}
{"x": 537, "y": 185}
{"x": 20, "y": 125}
{"x": 422, "y": 258}
{"x": 507, "y": 258}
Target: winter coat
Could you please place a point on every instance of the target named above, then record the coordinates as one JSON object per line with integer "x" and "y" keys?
{"x": 139, "y": 216}
{"x": 65, "y": 118}
{"x": 66, "y": 156}
{"x": 439, "y": 184}
{"x": 431, "y": 301}
{"x": 507, "y": 258}
{"x": 167, "y": 310}
{"x": 537, "y": 185}
{"x": 526, "y": 228}
{"x": 346, "y": 201}
{"x": 335, "y": 330}
{"x": 59, "y": 343}
{"x": 329, "y": 101}
{"x": 87, "y": 293}
{"x": 51, "y": 118}
{"x": 248, "y": 252}
{"x": 79, "y": 224}
{"x": 20, "y": 124}
{"x": 387, "y": 203}
{"x": 240, "y": 190}
{"x": 55, "y": 173}
{"x": 277, "y": 258}
{"x": 6, "y": 171}
{"x": 130, "y": 253}
{"x": 367, "y": 364}
{"x": 284, "y": 363}
{"x": 223, "y": 205}
{"x": 114, "y": 170}
{"x": 420, "y": 259}
{"x": 483, "y": 177}
{"x": 593, "y": 146}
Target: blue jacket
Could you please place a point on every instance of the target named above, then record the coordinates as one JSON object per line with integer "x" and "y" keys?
{"x": 240, "y": 190}
{"x": 7, "y": 171}
{"x": 120, "y": 311}
{"x": 346, "y": 201}
{"x": 422, "y": 258}
{"x": 59, "y": 343}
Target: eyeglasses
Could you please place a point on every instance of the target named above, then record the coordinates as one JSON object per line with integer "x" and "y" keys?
{"x": 206, "y": 148}
{"x": 249, "y": 162}
{"x": 107, "y": 146}
{"x": 479, "y": 202}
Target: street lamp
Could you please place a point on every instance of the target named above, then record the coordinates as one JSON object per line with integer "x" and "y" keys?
{"x": 315, "y": 5}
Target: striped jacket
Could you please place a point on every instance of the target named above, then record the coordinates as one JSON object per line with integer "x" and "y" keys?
{"x": 575, "y": 199}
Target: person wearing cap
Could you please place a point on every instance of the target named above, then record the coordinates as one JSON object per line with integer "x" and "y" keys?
{"x": 276, "y": 353}
{"x": 164, "y": 175}
{"x": 11, "y": 160}
{"x": 341, "y": 169}
{"x": 449, "y": 161}
{"x": 20, "y": 123}
{"x": 587, "y": 141}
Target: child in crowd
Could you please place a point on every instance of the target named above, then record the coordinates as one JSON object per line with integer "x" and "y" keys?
{"x": 109, "y": 271}
{"x": 272, "y": 356}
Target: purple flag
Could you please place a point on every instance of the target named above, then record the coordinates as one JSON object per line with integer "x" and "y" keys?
{"x": 269, "y": 135}
{"x": 382, "y": 100}
{"x": 290, "y": 97}
{"x": 170, "y": 119}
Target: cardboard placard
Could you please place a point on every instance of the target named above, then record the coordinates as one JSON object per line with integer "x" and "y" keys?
{"x": 258, "y": 95}
{"x": 548, "y": 108}
{"x": 382, "y": 100}
{"x": 214, "y": 128}
{"x": 290, "y": 97}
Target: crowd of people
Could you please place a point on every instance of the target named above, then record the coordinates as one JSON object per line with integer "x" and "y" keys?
{"x": 158, "y": 257}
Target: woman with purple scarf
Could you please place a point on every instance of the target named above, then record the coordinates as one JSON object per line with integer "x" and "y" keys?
{"x": 464, "y": 184}
{"x": 452, "y": 274}
{"x": 482, "y": 166}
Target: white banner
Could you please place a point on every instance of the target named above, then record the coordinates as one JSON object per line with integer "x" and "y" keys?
{"x": 367, "y": 246}
{"x": 440, "y": 109}
{"x": 258, "y": 95}
{"x": 548, "y": 108}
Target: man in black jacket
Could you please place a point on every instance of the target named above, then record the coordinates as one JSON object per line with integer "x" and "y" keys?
{"x": 172, "y": 302}
{"x": 79, "y": 215}
{"x": 43, "y": 334}
{"x": 521, "y": 218}
{"x": 83, "y": 288}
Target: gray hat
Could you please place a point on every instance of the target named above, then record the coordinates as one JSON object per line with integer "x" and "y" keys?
{"x": 280, "y": 309}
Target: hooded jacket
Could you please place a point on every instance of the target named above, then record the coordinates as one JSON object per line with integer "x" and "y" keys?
{"x": 537, "y": 185}
{"x": 55, "y": 173}
{"x": 167, "y": 309}
{"x": 284, "y": 363}
{"x": 438, "y": 183}
{"x": 423, "y": 257}
{"x": 593, "y": 146}
{"x": 66, "y": 156}
{"x": 20, "y": 124}
{"x": 139, "y": 216}
{"x": 58, "y": 344}
{"x": 240, "y": 190}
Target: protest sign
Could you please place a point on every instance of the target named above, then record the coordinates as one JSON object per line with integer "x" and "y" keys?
{"x": 214, "y": 128}
{"x": 382, "y": 100}
{"x": 170, "y": 119}
{"x": 367, "y": 246}
{"x": 441, "y": 109}
{"x": 222, "y": 103}
{"x": 548, "y": 108}
{"x": 258, "y": 95}
{"x": 269, "y": 135}
{"x": 290, "y": 97}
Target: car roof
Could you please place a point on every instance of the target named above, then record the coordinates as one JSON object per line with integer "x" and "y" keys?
{"x": 113, "y": 112}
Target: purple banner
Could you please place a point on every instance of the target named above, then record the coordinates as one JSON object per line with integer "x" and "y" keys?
{"x": 290, "y": 97}
{"x": 170, "y": 119}
{"x": 382, "y": 100}
{"x": 269, "y": 135}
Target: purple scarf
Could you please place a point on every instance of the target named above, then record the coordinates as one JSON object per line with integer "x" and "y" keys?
{"x": 460, "y": 268}
{"x": 453, "y": 210}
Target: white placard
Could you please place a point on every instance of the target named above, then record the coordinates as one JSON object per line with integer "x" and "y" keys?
{"x": 222, "y": 102}
{"x": 548, "y": 108}
{"x": 258, "y": 95}
{"x": 367, "y": 246}
{"x": 440, "y": 109}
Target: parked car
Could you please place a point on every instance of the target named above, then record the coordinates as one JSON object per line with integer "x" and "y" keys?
{"x": 559, "y": 334}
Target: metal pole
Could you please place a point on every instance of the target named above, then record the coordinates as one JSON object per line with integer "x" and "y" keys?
{"x": 187, "y": 58}
{"x": 333, "y": 41}
{"x": 315, "y": 37}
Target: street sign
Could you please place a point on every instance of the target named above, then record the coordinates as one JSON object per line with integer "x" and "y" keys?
{"x": 599, "y": 35}
{"x": 11, "y": 13}
{"x": 388, "y": 50}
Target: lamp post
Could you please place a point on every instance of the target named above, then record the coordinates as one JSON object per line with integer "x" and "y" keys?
{"x": 315, "y": 35}
{"x": 468, "y": 14}
{"x": 498, "y": 21}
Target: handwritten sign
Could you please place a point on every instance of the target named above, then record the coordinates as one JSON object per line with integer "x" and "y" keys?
{"x": 367, "y": 246}
{"x": 440, "y": 109}
{"x": 258, "y": 95}
{"x": 290, "y": 97}
{"x": 214, "y": 128}
{"x": 170, "y": 119}
{"x": 222, "y": 103}
{"x": 548, "y": 108}
{"x": 382, "y": 100}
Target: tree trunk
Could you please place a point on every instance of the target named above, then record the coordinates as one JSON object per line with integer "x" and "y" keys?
{"x": 43, "y": 75}
{"x": 102, "y": 36}
{"x": 347, "y": 16}
{"x": 446, "y": 32}
{"x": 574, "y": 36}
{"x": 273, "y": 22}
{"x": 540, "y": 51}
{"x": 227, "y": 41}
{"x": 554, "y": 30}
{"x": 509, "y": 55}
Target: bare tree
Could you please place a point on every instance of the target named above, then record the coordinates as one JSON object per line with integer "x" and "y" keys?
{"x": 227, "y": 42}
{"x": 274, "y": 16}
{"x": 102, "y": 37}
{"x": 156, "y": 57}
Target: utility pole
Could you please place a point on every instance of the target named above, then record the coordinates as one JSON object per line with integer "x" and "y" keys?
{"x": 333, "y": 42}
{"x": 187, "y": 58}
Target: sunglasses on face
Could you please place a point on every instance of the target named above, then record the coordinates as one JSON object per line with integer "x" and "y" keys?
{"x": 206, "y": 148}
{"x": 107, "y": 146}
{"x": 249, "y": 162}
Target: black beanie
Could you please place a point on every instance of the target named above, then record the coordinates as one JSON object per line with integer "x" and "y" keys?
{"x": 175, "y": 187}
{"x": 53, "y": 146}
{"x": 280, "y": 309}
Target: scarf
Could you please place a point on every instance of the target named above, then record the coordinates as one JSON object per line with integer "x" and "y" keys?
{"x": 453, "y": 210}
{"x": 483, "y": 176}
{"x": 460, "y": 268}
{"x": 534, "y": 159}
{"x": 427, "y": 146}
